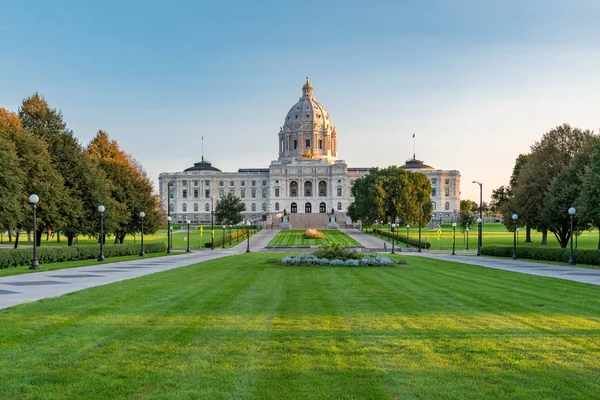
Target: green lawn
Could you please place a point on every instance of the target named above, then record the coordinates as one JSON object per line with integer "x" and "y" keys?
{"x": 493, "y": 233}
{"x": 78, "y": 263}
{"x": 297, "y": 238}
{"x": 239, "y": 328}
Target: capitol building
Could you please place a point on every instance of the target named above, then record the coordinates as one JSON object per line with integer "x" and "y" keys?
{"x": 307, "y": 181}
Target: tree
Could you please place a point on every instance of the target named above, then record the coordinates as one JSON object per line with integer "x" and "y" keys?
{"x": 12, "y": 179}
{"x": 228, "y": 210}
{"x": 368, "y": 199}
{"x": 465, "y": 219}
{"x": 466, "y": 205}
{"x": 588, "y": 202}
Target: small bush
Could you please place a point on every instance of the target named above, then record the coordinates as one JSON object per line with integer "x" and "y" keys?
{"x": 332, "y": 251}
{"x": 314, "y": 234}
{"x": 308, "y": 259}
{"x": 402, "y": 238}
{"x": 581, "y": 256}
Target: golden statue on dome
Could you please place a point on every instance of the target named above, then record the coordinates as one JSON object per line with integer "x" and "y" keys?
{"x": 308, "y": 154}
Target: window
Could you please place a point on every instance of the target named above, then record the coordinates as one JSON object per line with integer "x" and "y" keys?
{"x": 264, "y": 183}
{"x": 264, "y": 206}
{"x": 195, "y": 183}
{"x": 308, "y": 143}
{"x": 447, "y": 191}
{"x": 433, "y": 181}
{"x": 264, "y": 193}
{"x": 196, "y": 193}
{"x": 196, "y": 207}
{"x": 171, "y": 193}
{"x": 243, "y": 183}
{"x": 253, "y": 207}
{"x": 308, "y": 188}
{"x": 207, "y": 193}
{"x": 339, "y": 192}
{"x": 232, "y": 192}
{"x": 171, "y": 207}
{"x": 320, "y": 144}
{"x": 253, "y": 193}
{"x": 231, "y": 183}
{"x": 184, "y": 183}
{"x": 184, "y": 207}
{"x": 184, "y": 193}
{"x": 322, "y": 188}
{"x": 207, "y": 183}
{"x": 276, "y": 206}
{"x": 207, "y": 207}
{"x": 295, "y": 144}
{"x": 221, "y": 193}
{"x": 221, "y": 183}
{"x": 276, "y": 192}
{"x": 447, "y": 181}
{"x": 293, "y": 188}
{"x": 433, "y": 191}
{"x": 339, "y": 206}
{"x": 253, "y": 183}
{"x": 447, "y": 206}
{"x": 243, "y": 193}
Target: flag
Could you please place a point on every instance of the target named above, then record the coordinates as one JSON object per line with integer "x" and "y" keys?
{"x": 201, "y": 230}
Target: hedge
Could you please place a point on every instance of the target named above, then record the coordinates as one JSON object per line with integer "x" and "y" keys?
{"x": 19, "y": 257}
{"x": 403, "y": 238}
{"x": 219, "y": 238}
{"x": 581, "y": 256}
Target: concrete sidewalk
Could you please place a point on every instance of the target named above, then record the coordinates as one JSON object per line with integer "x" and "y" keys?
{"x": 24, "y": 288}
{"x": 583, "y": 275}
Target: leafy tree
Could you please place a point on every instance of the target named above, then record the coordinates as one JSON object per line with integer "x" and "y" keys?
{"x": 465, "y": 219}
{"x": 588, "y": 203}
{"x": 466, "y": 205}
{"x": 228, "y": 210}
{"x": 368, "y": 198}
{"x": 12, "y": 179}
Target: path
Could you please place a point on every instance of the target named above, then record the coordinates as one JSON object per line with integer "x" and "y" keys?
{"x": 257, "y": 241}
{"x": 24, "y": 288}
{"x": 584, "y": 275}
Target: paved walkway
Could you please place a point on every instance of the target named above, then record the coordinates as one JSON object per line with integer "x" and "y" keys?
{"x": 367, "y": 241}
{"x": 257, "y": 241}
{"x": 39, "y": 285}
{"x": 584, "y": 275}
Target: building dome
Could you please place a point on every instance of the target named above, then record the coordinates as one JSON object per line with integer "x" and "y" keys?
{"x": 307, "y": 130}
{"x": 414, "y": 164}
{"x": 202, "y": 166}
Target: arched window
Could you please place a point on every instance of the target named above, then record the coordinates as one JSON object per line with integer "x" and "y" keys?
{"x": 195, "y": 206}
{"x": 308, "y": 208}
{"x": 253, "y": 206}
{"x": 447, "y": 206}
{"x": 293, "y": 188}
{"x": 294, "y": 208}
{"x": 322, "y": 208}
{"x": 308, "y": 189}
{"x": 276, "y": 206}
{"x": 171, "y": 207}
{"x": 207, "y": 207}
{"x": 264, "y": 206}
{"x": 184, "y": 207}
{"x": 322, "y": 188}
{"x": 339, "y": 206}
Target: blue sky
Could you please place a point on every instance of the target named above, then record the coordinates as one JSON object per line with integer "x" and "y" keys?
{"x": 478, "y": 81}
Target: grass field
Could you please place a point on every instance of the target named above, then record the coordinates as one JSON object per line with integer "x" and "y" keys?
{"x": 297, "y": 238}
{"x": 239, "y": 328}
{"x": 493, "y": 233}
{"x": 78, "y": 263}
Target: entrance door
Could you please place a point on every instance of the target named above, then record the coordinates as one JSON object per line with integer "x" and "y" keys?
{"x": 322, "y": 208}
{"x": 294, "y": 208}
{"x": 308, "y": 208}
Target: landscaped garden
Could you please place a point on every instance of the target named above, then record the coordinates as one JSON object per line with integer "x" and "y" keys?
{"x": 239, "y": 327}
{"x": 291, "y": 238}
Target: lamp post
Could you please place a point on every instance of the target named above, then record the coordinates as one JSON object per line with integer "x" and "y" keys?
{"x": 230, "y": 234}
{"x": 514, "y": 218}
{"x": 467, "y": 238}
{"x": 212, "y": 226}
{"x": 33, "y": 199}
{"x": 571, "y": 259}
{"x": 237, "y": 232}
{"x": 187, "y": 221}
{"x": 223, "y": 236}
{"x": 169, "y": 184}
{"x": 479, "y": 237}
{"x": 453, "y": 238}
{"x": 142, "y": 252}
{"x": 419, "y": 250}
{"x": 407, "y": 233}
{"x": 480, "y": 219}
{"x": 393, "y": 239}
{"x": 168, "y": 234}
{"x": 517, "y": 236}
{"x": 101, "y": 256}
{"x": 248, "y": 234}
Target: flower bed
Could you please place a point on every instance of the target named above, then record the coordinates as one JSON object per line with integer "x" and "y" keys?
{"x": 312, "y": 260}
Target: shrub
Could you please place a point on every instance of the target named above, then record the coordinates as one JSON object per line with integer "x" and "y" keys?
{"x": 308, "y": 259}
{"x": 403, "y": 238}
{"x": 314, "y": 234}
{"x": 337, "y": 251}
{"x": 582, "y": 256}
{"x": 20, "y": 257}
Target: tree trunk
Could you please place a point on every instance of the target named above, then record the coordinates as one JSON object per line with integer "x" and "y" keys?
{"x": 544, "y": 237}
{"x": 70, "y": 238}
{"x": 598, "y": 237}
{"x": 527, "y": 234}
{"x": 17, "y": 239}
{"x": 48, "y": 233}
{"x": 58, "y": 237}
{"x": 9, "y": 236}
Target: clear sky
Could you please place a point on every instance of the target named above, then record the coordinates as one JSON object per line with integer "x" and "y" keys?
{"x": 478, "y": 81}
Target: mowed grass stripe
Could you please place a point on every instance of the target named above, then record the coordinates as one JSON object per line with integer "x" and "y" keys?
{"x": 241, "y": 328}
{"x": 297, "y": 238}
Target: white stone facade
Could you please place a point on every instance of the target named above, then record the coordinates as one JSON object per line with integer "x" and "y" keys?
{"x": 307, "y": 177}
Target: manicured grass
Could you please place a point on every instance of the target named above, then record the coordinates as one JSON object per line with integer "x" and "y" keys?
{"x": 239, "y": 328}
{"x": 297, "y": 238}
{"x": 78, "y": 263}
{"x": 493, "y": 233}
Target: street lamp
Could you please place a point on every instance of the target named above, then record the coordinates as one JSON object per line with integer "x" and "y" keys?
{"x": 517, "y": 236}
{"x": 187, "y": 221}
{"x": 453, "y": 238}
{"x": 168, "y": 234}
{"x": 514, "y": 218}
{"x": 101, "y": 210}
{"x": 480, "y": 219}
{"x": 212, "y": 226}
{"x": 467, "y": 230}
{"x": 223, "y": 236}
{"x": 248, "y": 234}
{"x": 393, "y": 239}
{"x": 479, "y": 237}
{"x": 407, "y": 233}
{"x": 33, "y": 199}
{"x": 230, "y": 234}
{"x": 419, "y": 231}
{"x": 571, "y": 213}
{"x": 142, "y": 252}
